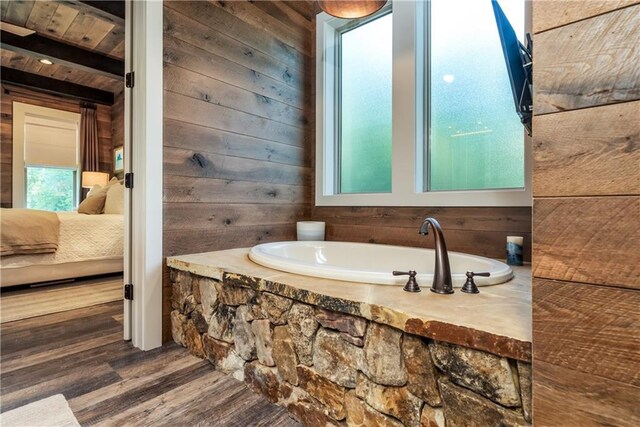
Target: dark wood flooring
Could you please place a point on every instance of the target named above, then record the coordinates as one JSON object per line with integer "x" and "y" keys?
{"x": 80, "y": 353}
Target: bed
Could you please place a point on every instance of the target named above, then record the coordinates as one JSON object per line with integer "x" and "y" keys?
{"x": 88, "y": 245}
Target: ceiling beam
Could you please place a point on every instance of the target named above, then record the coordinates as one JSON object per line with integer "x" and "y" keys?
{"x": 54, "y": 86}
{"x": 63, "y": 54}
{"x": 115, "y": 8}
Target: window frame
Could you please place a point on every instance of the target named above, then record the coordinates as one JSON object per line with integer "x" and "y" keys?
{"x": 408, "y": 121}
{"x": 19, "y": 177}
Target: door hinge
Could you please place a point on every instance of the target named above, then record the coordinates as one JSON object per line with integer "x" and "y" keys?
{"x": 128, "y": 180}
{"x": 129, "y": 79}
{"x": 128, "y": 291}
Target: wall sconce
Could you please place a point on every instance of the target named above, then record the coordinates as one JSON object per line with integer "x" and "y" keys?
{"x": 351, "y": 9}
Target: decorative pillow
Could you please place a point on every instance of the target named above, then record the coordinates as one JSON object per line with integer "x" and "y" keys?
{"x": 94, "y": 205}
{"x": 114, "y": 204}
{"x": 94, "y": 190}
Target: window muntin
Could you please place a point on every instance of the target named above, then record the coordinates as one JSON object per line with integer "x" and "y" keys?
{"x": 364, "y": 131}
{"x": 476, "y": 141}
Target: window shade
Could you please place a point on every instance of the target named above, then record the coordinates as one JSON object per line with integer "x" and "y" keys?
{"x": 50, "y": 142}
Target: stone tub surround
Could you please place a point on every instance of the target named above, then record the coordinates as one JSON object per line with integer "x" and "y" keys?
{"x": 497, "y": 320}
{"x": 329, "y": 365}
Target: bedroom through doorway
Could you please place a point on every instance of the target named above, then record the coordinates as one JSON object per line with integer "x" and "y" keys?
{"x": 63, "y": 158}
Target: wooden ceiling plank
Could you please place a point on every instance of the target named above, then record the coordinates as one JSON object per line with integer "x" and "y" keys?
{"x": 96, "y": 34}
{"x": 49, "y": 85}
{"x": 114, "y": 8}
{"x": 18, "y": 11}
{"x": 78, "y": 28}
{"x": 89, "y": 9}
{"x": 118, "y": 51}
{"x": 4, "y": 5}
{"x": 61, "y": 21}
{"x": 111, "y": 40}
{"x": 41, "y": 15}
{"x": 70, "y": 56}
{"x": 32, "y": 65}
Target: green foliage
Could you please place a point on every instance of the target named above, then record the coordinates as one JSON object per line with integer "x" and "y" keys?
{"x": 50, "y": 189}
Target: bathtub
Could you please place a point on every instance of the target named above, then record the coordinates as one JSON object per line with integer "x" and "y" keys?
{"x": 372, "y": 263}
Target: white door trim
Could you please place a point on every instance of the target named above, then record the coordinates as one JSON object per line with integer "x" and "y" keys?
{"x": 146, "y": 164}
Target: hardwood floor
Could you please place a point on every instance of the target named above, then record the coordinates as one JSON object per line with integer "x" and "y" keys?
{"x": 23, "y": 302}
{"x": 80, "y": 353}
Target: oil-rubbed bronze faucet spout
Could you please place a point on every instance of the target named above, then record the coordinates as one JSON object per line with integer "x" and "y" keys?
{"x": 442, "y": 283}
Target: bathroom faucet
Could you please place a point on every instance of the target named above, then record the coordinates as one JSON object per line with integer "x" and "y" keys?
{"x": 442, "y": 283}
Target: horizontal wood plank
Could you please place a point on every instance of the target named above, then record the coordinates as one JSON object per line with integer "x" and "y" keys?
{"x": 552, "y": 14}
{"x": 180, "y": 107}
{"x": 589, "y": 240}
{"x": 185, "y": 28}
{"x": 197, "y": 216}
{"x": 566, "y": 397}
{"x": 179, "y": 242}
{"x": 209, "y": 140}
{"x": 589, "y": 152}
{"x": 511, "y": 219}
{"x": 228, "y": 23}
{"x": 196, "y": 59}
{"x": 298, "y": 38}
{"x": 204, "y": 88}
{"x": 485, "y": 243}
{"x": 586, "y": 328}
{"x": 179, "y": 189}
{"x": 569, "y": 71}
{"x": 179, "y": 162}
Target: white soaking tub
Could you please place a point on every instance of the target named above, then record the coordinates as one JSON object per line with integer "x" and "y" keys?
{"x": 372, "y": 263}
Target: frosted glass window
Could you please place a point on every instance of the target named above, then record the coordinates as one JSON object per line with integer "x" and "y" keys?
{"x": 364, "y": 159}
{"x": 476, "y": 139}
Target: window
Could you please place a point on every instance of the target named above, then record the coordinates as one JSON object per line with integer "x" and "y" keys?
{"x": 364, "y": 126}
{"x": 414, "y": 107}
{"x": 476, "y": 139}
{"x": 50, "y": 189}
{"x": 45, "y": 156}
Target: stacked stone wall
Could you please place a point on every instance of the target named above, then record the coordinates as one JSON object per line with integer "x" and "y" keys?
{"x": 330, "y": 368}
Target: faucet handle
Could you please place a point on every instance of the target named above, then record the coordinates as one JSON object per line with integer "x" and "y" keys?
{"x": 470, "y": 286}
{"x": 412, "y": 284}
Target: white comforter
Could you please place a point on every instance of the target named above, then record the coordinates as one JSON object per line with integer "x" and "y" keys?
{"x": 82, "y": 238}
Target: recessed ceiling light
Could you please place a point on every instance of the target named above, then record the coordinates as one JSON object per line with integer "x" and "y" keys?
{"x": 46, "y": 62}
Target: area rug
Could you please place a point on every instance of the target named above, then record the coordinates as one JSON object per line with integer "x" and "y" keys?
{"x": 27, "y": 303}
{"x": 53, "y": 411}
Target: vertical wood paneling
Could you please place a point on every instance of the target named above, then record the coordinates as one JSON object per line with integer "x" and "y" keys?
{"x": 236, "y": 127}
{"x": 586, "y": 209}
{"x": 11, "y": 94}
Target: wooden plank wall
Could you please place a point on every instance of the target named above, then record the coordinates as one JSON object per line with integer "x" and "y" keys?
{"x": 117, "y": 120}
{"x": 10, "y": 94}
{"x": 480, "y": 231}
{"x": 586, "y": 247}
{"x": 237, "y": 135}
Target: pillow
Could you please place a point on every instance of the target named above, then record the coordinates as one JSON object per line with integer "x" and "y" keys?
{"x": 94, "y": 190}
{"x": 114, "y": 204}
{"x": 94, "y": 205}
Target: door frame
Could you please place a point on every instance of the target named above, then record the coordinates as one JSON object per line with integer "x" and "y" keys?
{"x": 143, "y": 128}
